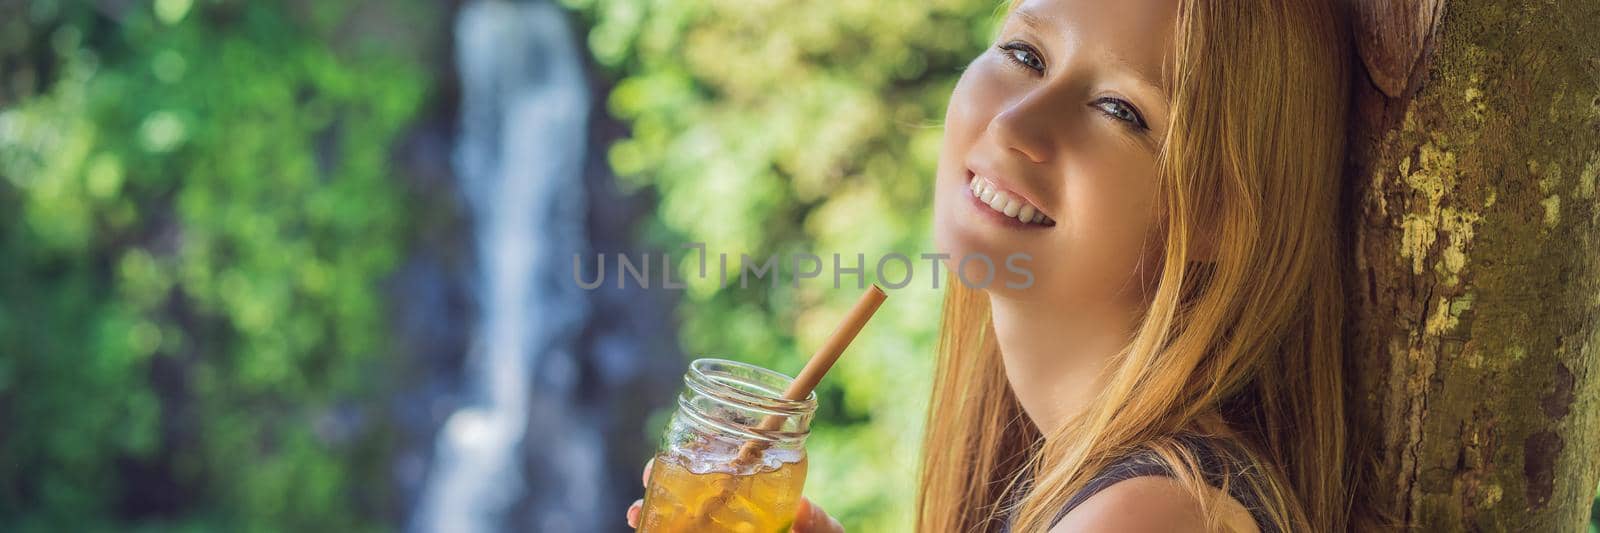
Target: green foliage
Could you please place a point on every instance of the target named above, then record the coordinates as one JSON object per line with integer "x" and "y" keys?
{"x": 194, "y": 217}
{"x": 776, "y": 127}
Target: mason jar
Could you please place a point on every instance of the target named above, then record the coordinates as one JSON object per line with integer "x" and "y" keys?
{"x": 733, "y": 456}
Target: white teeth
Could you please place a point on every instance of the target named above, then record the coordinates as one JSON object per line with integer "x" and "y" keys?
{"x": 1010, "y": 206}
{"x": 998, "y": 202}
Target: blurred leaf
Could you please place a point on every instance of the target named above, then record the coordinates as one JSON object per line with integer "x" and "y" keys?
{"x": 195, "y": 215}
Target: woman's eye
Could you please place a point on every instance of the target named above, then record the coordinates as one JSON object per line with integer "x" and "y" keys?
{"x": 1120, "y": 110}
{"x": 1022, "y": 54}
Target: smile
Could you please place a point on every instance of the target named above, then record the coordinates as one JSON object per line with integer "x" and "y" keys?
{"x": 1009, "y": 205}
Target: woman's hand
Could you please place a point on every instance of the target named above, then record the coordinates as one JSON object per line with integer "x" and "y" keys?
{"x": 810, "y": 518}
{"x": 807, "y": 519}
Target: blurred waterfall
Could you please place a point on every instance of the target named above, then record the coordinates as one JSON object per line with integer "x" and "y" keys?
{"x": 520, "y": 162}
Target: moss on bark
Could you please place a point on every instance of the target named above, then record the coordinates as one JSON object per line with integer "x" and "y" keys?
{"x": 1476, "y": 272}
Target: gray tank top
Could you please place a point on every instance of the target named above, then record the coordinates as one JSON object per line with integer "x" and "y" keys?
{"x": 1217, "y": 459}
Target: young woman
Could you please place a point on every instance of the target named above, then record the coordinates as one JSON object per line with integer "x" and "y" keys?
{"x": 1171, "y": 167}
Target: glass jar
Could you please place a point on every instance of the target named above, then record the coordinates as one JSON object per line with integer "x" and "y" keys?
{"x": 733, "y": 456}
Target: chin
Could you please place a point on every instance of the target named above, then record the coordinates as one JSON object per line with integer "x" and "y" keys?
{"x": 959, "y": 242}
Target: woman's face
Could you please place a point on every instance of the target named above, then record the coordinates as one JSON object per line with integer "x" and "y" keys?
{"x": 1057, "y": 126}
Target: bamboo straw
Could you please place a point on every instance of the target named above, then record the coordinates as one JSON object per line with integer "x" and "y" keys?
{"x": 819, "y": 364}
{"x": 802, "y": 385}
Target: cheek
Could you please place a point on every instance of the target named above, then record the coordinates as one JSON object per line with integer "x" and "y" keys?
{"x": 1108, "y": 239}
{"x": 963, "y": 122}
{"x": 972, "y": 103}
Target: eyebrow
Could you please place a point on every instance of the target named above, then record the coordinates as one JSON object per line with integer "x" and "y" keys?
{"x": 1041, "y": 25}
{"x": 1030, "y": 20}
{"x": 1140, "y": 74}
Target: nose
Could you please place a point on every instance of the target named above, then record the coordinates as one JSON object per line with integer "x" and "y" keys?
{"x": 1028, "y": 124}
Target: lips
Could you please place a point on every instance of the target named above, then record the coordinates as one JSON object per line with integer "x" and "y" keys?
{"x": 1007, "y": 204}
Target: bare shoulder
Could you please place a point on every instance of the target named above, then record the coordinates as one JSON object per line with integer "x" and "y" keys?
{"x": 1151, "y": 504}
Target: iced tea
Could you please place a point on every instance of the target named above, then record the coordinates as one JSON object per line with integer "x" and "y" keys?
{"x": 759, "y": 499}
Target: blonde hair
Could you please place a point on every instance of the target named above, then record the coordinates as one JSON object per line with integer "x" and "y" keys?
{"x": 1243, "y": 346}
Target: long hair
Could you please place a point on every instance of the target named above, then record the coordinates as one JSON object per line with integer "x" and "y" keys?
{"x": 1243, "y": 346}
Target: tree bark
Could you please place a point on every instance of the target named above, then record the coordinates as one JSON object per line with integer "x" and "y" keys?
{"x": 1475, "y": 251}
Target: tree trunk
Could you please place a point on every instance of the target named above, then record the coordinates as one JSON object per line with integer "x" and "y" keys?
{"x": 1475, "y": 283}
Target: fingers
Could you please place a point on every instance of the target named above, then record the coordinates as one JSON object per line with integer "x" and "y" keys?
{"x": 638, "y": 505}
{"x": 810, "y": 518}
{"x": 633, "y": 513}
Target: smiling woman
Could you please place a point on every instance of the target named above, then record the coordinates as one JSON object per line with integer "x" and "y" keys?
{"x": 1187, "y": 308}
{"x": 1171, "y": 168}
